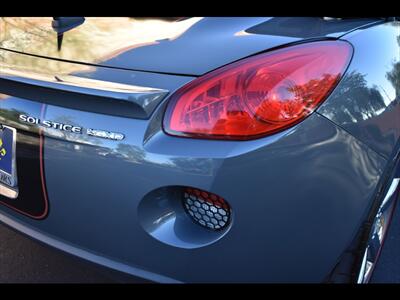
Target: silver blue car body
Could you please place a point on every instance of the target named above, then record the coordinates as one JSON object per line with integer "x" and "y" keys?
{"x": 299, "y": 198}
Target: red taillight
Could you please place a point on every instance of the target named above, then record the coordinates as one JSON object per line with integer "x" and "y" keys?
{"x": 259, "y": 95}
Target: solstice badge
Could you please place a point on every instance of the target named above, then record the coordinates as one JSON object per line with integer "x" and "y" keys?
{"x": 105, "y": 134}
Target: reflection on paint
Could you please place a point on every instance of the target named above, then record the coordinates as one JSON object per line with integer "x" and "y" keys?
{"x": 97, "y": 39}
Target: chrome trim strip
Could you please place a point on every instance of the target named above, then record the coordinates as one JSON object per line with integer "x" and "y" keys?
{"x": 391, "y": 191}
{"x": 8, "y": 191}
{"x": 361, "y": 274}
{"x": 377, "y": 234}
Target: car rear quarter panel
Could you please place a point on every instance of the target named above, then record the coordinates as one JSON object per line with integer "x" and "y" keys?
{"x": 367, "y": 101}
{"x": 298, "y": 198}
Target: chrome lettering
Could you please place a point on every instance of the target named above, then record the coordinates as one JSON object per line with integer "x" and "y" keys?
{"x": 71, "y": 128}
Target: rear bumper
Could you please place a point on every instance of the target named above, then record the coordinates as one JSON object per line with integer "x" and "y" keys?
{"x": 298, "y": 199}
{"x": 82, "y": 254}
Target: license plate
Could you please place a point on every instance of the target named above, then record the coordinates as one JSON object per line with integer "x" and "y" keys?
{"x": 8, "y": 176}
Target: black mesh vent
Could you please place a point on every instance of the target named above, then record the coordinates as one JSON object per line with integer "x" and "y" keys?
{"x": 206, "y": 209}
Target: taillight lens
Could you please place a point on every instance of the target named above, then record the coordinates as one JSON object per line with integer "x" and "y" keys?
{"x": 259, "y": 95}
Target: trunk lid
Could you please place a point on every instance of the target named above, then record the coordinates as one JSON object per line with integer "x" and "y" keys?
{"x": 185, "y": 46}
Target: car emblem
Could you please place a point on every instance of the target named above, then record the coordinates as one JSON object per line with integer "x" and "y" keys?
{"x": 105, "y": 134}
